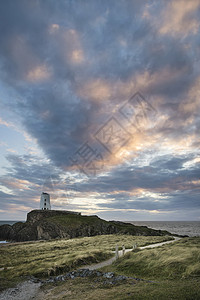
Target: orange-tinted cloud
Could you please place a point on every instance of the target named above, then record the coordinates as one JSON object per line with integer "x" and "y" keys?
{"x": 72, "y": 46}
{"x": 38, "y": 74}
{"x": 96, "y": 90}
{"x": 179, "y": 17}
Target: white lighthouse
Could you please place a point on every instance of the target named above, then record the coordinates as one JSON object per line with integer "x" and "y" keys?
{"x": 45, "y": 202}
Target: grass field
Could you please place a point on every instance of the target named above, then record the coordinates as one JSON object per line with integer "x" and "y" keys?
{"x": 86, "y": 288}
{"x": 174, "y": 270}
{"x": 175, "y": 260}
{"x": 57, "y": 256}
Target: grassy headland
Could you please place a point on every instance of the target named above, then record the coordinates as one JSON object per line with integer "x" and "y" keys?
{"x": 175, "y": 260}
{"x": 173, "y": 271}
{"x": 52, "y": 224}
{"x": 175, "y": 268}
{"x": 57, "y": 256}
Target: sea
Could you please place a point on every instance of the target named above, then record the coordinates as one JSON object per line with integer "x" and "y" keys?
{"x": 190, "y": 228}
{"x": 9, "y": 222}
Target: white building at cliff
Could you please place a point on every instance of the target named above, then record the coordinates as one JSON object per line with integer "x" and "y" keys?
{"x": 45, "y": 202}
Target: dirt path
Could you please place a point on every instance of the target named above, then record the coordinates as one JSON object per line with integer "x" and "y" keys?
{"x": 112, "y": 259}
{"x": 160, "y": 244}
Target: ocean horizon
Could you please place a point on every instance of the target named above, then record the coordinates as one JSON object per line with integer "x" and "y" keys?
{"x": 190, "y": 228}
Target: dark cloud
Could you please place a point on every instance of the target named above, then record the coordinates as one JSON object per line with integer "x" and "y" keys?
{"x": 173, "y": 201}
{"x": 125, "y": 178}
{"x": 26, "y": 167}
{"x": 166, "y": 162}
{"x": 39, "y": 175}
{"x": 8, "y": 200}
{"x": 117, "y": 43}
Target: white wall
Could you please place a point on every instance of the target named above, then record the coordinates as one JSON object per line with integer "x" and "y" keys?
{"x": 45, "y": 202}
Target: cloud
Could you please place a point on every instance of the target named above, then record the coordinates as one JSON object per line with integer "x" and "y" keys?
{"x": 168, "y": 183}
{"x": 165, "y": 184}
{"x": 72, "y": 65}
{"x": 181, "y": 17}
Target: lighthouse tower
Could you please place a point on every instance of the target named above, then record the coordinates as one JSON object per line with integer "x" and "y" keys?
{"x": 45, "y": 202}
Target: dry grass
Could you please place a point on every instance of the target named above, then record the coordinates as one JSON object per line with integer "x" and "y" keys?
{"x": 93, "y": 289}
{"x": 176, "y": 260}
{"x": 58, "y": 256}
{"x": 174, "y": 269}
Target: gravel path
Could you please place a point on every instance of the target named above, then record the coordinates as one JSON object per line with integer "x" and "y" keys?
{"x": 24, "y": 291}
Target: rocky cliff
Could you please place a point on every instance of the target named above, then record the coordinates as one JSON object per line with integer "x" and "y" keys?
{"x": 53, "y": 224}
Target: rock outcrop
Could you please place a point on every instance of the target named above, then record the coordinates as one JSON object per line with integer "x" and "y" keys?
{"x": 46, "y": 225}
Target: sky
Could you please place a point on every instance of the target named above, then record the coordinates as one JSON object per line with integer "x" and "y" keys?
{"x": 100, "y": 107}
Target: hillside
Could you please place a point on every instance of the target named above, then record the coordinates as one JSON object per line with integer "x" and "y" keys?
{"x": 51, "y": 258}
{"x": 170, "y": 272}
{"x": 46, "y": 225}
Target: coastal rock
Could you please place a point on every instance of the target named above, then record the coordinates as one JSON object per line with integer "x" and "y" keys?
{"x": 6, "y": 232}
{"x": 110, "y": 277}
{"x": 46, "y": 225}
